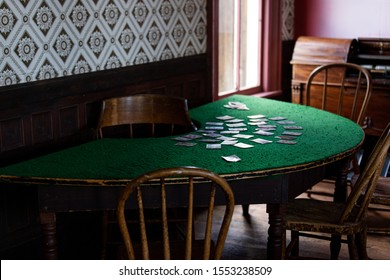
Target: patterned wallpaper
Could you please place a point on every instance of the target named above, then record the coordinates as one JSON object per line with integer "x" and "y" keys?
{"x": 288, "y": 16}
{"x": 44, "y": 39}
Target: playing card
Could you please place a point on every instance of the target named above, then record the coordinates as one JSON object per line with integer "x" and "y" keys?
{"x": 213, "y": 146}
{"x": 289, "y": 142}
{"x": 243, "y": 136}
{"x": 209, "y": 140}
{"x": 229, "y": 142}
{"x": 286, "y": 122}
{"x": 214, "y": 127}
{"x": 236, "y": 124}
{"x": 234, "y": 121}
{"x": 243, "y": 145}
{"x": 261, "y": 141}
{"x": 232, "y": 158}
{"x": 259, "y": 116}
{"x": 186, "y": 144}
{"x": 224, "y": 118}
{"x": 293, "y": 127}
{"x": 214, "y": 123}
{"x": 278, "y": 118}
{"x": 293, "y": 133}
{"x": 264, "y": 133}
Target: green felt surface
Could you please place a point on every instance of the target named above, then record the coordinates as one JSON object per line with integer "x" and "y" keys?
{"x": 324, "y": 135}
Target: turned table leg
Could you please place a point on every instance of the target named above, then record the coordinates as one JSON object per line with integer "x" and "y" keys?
{"x": 48, "y": 225}
{"x": 275, "y": 244}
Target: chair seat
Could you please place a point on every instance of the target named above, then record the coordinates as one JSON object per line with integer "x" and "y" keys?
{"x": 318, "y": 216}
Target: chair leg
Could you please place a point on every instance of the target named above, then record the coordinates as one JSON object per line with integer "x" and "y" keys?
{"x": 361, "y": 243}
{"x": 295, "y": 246}
{"x": 353, "y": 253}
{"x": 335, "y": 246}
{"x": 292, "y": 249}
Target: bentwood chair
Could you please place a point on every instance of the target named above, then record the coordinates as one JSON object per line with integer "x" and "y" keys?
{"x": 306, "y": 217}
{"x": 344, "y": 89}
{"x": 159, "y": 244}
{"x": 140, "y": 115}
{"x": 144, "y": 115}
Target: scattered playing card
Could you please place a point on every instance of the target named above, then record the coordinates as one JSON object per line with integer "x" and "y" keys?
{"x": 278, "y": 118}
{"x": 225, "y": 118}
{"x": 186, "y": 144}
{"x": 209, "y": 140}
{"x": 259, "y": 116}
{"x": 287, "y": 142}
{"x": 214, "y": 123}
{"x": 214, "y": 127}
{"x": 232, "y": 158}
{"x": 261, "y": 141}
{"x": 243, "y": 136}
{"x": 286, "y": 137}
{"x": 236, "y": 105}
{"x": 229, "y": 132}
{"x": 238, "y": 128}
{"x": 225, "y": 138}
{"x": 264, "y": 133}
{"x": 236, "y": 124}
{"x": 213, "y": 146}
{"x": 243, "y": 145}
{"x": 286, "y": 122}
{"x": 293, "y": 133}
{"x": 229, "y": 142}
{"x": 293, "y": 127}
{"x": 212, "y": 135}
{"x": 257, "y": 123}
{"x": 234, "y": 121}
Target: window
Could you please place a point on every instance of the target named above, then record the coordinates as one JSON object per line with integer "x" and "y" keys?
{"x": 245, "y": 46}
{"x": 239, "y": 45}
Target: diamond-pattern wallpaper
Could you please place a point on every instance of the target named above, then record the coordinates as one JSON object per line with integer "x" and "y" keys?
{"x": 45, "y": 39}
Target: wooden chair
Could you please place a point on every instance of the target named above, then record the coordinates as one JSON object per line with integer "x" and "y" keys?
{"x": 339, "y": 218}
{"x": 165, "y": 248}
{"x": 341, "y": 88}
{"x": 141, "y": 115}
{"x": 344, "y": 89}
{"x": 144, "y": 115}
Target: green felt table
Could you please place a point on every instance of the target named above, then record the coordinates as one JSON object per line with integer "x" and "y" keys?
{"x": 90, "y": 176}
{"x": 325, "y": 137}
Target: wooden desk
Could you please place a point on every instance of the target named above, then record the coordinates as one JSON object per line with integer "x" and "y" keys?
{"x": 89, "y": 177}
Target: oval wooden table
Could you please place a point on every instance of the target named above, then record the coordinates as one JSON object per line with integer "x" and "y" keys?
{"x": 89, "y": 177}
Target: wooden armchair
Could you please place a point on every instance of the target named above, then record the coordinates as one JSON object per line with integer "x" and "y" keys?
{"x": 339, "y": 218}
{"x": 163, "y": 246}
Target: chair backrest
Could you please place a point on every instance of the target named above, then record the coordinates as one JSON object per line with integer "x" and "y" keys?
{"x": 342, "y": 88}
{"x": 360, "y": 196}
{"x": 145, "y": 109}
{"x": 190, "y": 178}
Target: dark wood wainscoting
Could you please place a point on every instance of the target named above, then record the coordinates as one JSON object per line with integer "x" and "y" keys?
{"x": 41, "y": 117}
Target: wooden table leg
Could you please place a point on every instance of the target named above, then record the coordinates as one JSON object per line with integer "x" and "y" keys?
{"x": 48, "y": 225}
{"x": 276, "y": 243}
{"x": 341, "y": 185}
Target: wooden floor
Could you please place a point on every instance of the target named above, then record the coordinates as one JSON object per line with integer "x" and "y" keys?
{"x": 248, "y": 235}
{"x": 78, "y": 236}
